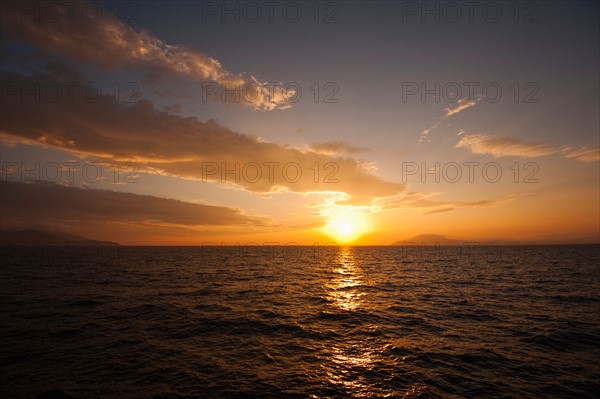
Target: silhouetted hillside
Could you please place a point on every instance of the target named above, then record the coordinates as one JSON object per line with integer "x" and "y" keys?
{"x": 429, "y": 239}
{"x": 40, "y": 238}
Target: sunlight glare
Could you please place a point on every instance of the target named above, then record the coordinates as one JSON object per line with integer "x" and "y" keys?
{"x": 345, "y": 224}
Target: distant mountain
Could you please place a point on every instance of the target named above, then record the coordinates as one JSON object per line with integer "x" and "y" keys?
{"x": 43, "y": 238}
{"x": 438, "y": 239}
{"x": 429, "y": 239}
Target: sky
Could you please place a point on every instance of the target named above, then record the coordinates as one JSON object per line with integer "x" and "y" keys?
{"x": 354, "y": 122}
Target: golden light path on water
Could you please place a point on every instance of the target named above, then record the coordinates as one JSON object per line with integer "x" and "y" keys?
{"x": 347, "y": 276}
{"x": 351, "y": 360}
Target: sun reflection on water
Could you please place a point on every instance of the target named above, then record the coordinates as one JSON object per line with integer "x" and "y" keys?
{"x": 350, "y": 363}
{"x": 348, "y": 360}
{"x": 344, "y": 289}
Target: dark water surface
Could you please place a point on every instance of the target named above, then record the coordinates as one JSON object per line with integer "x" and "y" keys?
{"x": 365, "y": 322}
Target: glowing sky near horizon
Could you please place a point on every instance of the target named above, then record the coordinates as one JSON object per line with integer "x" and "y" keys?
{"x": 359, "y": 122}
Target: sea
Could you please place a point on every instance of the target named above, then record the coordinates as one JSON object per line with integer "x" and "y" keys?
{"x": 288, "y": 321}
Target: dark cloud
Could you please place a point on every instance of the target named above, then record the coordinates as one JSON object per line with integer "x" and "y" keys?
{"x": 27, "y": 203}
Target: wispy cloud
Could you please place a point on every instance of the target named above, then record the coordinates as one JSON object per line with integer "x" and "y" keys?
{"x": 442, "y": 210}
{"x": 337, "y": 148}
{"x": 425, "y": 133}
{"x": 428, "y": 200}
{"x": 585, "y": 154}
{"x": 511, "y": 147}
{"x": 110, "y": 44}
{"x": 503, "y": 146}
{"x": 461, "y": 105}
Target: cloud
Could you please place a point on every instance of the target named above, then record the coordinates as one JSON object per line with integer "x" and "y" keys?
{"x": 442, "y": 210}
{"x": 336, "y": 148}
{"x": 503, "y": 146}
{"x": 585, "y": 154}
{"x": 426, "y": 132}
{"x": 426, "y": 200}
{"x": 54, "y": 203}
{"x": 110, "y": 44}
{"x": 461, "y": 105}
{"x": 165, "y": 143}
{"x": 173, "y": 108}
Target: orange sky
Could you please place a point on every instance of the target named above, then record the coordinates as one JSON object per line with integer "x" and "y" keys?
{"x": 311, "y": 145}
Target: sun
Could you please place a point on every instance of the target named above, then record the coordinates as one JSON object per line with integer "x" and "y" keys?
{"x": 345, "y": 224}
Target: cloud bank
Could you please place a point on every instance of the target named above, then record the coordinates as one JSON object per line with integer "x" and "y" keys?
{"x": 165, "y": 143}
{"x": 54, "y": 203}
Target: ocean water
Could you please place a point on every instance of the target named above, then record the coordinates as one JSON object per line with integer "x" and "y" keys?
{"x": 301, "y": 322}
